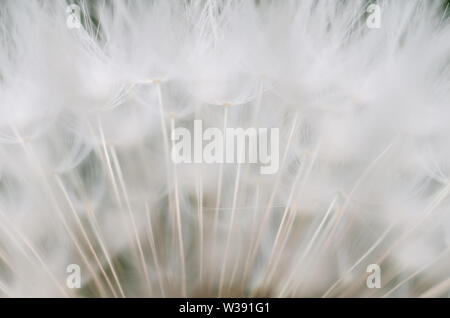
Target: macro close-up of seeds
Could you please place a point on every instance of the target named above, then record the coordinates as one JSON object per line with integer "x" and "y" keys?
{"x": 214, "y": 148}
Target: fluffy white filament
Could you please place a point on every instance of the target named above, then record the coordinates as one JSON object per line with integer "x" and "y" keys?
{"x": 86, "y": 176}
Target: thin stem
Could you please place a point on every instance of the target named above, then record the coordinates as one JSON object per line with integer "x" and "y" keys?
{"x": 219, "y": 181}
{"x": 367, "y": 253}
{"x": 230, "y": 227}
{"x": 437, "y": 290}
{"x": 272, "y": 196}
{"x": 245, "y": 276}
{"x": 165, "y": 139}
{"x": 34, "y": 252}
{"x": 219, "y": 188}
{"x": 29, "y": 152}
{"x": 153, "y": 249}
{"x": 131, "y": 215}
{"x": 83, "y": 232}
{"x": 283, "y": 220}
{"x": 310, "y": 244}
{"x": 417, "y": 272}
{"x": 178, "y": 215}
{"x": 200, "y": 223}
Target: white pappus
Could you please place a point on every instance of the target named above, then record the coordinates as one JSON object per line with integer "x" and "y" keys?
{"x": 90, "y": 92}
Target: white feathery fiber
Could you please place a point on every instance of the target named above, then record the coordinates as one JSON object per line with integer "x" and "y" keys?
{"x": 86, "y": 176}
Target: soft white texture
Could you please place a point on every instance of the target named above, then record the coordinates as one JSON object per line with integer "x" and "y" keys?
{"x": 85, "y": 177}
